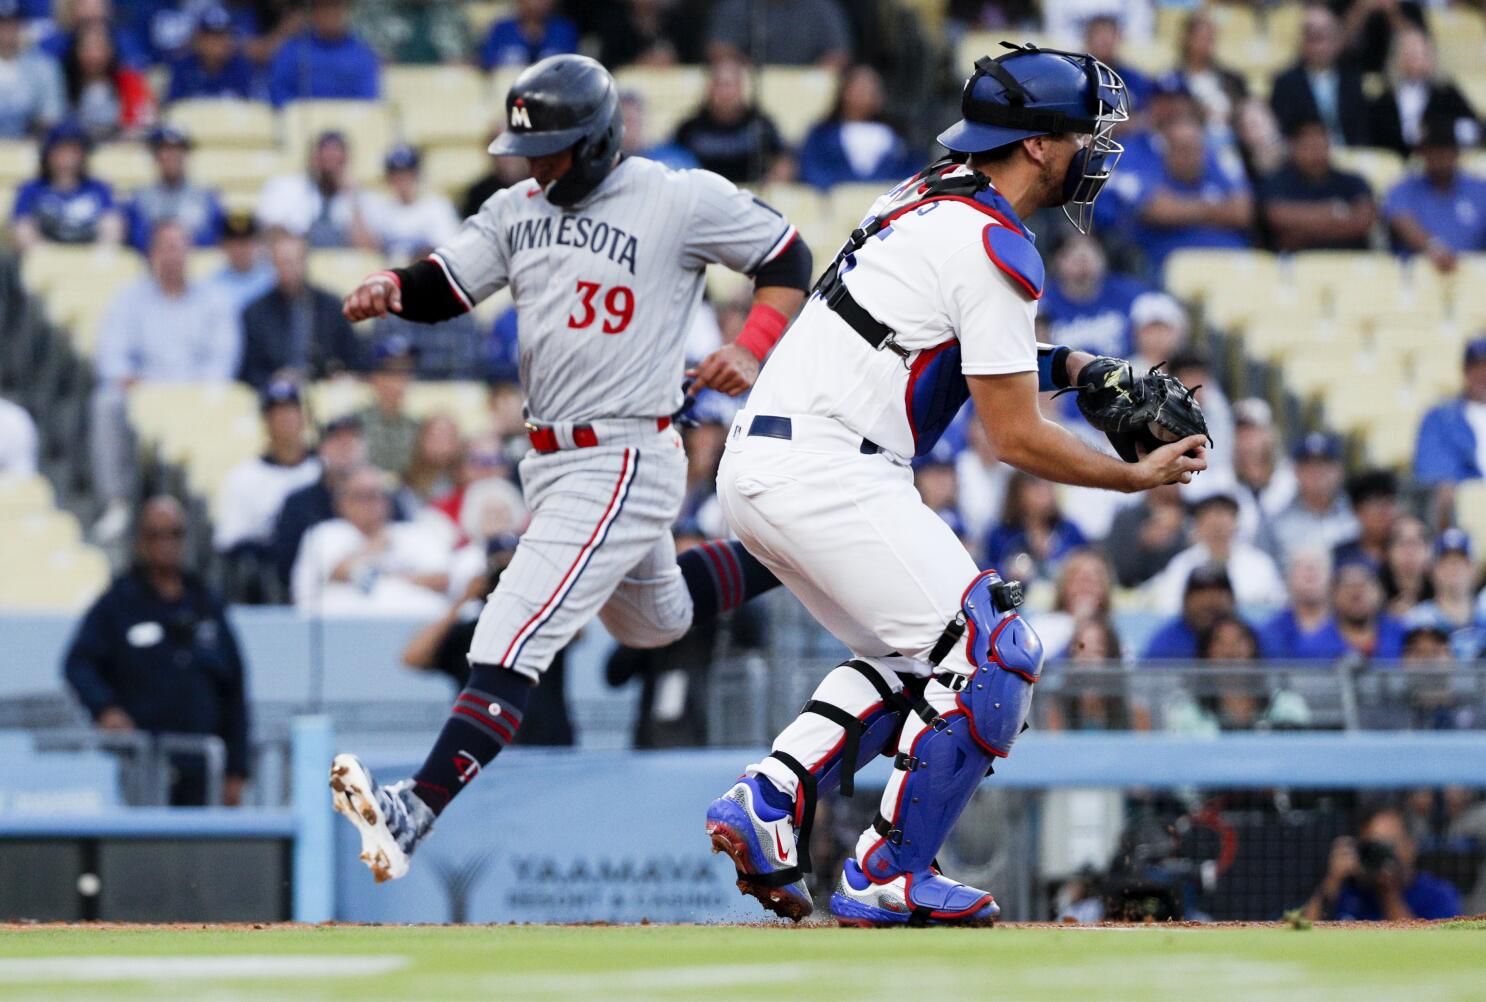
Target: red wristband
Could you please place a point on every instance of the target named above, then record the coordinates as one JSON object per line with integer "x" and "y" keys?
{"x": 762, "y": 330}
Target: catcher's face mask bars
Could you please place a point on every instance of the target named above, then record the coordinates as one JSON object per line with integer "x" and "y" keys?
{"x": 1093, "y": 165}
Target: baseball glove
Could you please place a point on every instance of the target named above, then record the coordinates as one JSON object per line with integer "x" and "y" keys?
{"x": 1138, "y": 414}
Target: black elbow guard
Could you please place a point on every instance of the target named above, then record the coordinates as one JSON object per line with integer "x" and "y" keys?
{"x": 789, "y": 268}
{"x": 430, "y": 293}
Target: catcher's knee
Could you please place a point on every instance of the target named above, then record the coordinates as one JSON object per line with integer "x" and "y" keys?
{"x": 1005, "y": 661}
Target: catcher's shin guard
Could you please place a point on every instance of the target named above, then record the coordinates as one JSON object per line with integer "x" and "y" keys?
{"x": 852, "y": 717}
{"x": 963, "y": 724}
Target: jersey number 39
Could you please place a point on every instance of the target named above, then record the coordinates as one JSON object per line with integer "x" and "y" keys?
{"x": 619, "y": 304}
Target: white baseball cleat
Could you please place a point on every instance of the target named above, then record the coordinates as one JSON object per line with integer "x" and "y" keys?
{"x": 392, "y": 819}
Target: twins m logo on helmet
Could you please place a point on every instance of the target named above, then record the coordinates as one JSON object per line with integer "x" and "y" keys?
{"x": 520, "y": 117}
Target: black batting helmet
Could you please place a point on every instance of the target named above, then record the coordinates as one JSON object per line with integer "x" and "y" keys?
{"x": 565, "y": 102}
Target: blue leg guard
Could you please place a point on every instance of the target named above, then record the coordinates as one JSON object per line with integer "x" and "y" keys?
{"x": 964, "y": 724}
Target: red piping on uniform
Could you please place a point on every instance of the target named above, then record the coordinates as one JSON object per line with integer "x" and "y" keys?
{"x": 583, "y": 553}
{"x": 925, "y": 356}
{"x": 985, "y": 238}
{"x": 799, "y": 791}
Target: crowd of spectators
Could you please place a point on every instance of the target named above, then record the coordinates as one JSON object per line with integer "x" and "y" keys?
{"x": 1273, "y": 554}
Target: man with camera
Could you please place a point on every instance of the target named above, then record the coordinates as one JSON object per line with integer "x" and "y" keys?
{"x": 1373, "y": 877}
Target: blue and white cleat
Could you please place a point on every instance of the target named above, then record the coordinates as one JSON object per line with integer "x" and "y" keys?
{"x": 392, "y": 819}
{"x": 915, "y": 899}
{"x": 760, "y": 840}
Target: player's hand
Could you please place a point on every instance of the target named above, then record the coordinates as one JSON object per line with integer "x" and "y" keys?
{"x": 1342, "y": 865}
{"x": 1172, "y": 464}
{"x": 376, "y": 296}
{"x": 730, "y": 369}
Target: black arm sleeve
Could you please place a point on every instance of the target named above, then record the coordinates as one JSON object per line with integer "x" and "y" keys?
{"x": 790, "y": 268}
{"x": 428, "y": 295}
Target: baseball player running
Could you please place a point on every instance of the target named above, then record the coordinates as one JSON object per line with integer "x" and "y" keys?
{"x": 605, "y": 257}
{"x": 931, "y": 300}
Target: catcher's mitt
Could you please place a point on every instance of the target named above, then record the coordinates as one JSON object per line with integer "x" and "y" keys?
{"x": 1137, "y": 413}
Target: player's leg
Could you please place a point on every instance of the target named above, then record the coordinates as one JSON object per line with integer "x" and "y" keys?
{"x": 596, "y": 514}
{"x": 973, "y": 709}
{"x": 666, "y": 594}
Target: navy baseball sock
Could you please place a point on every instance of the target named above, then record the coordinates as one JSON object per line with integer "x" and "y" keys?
{"x": 485, "y": 717}
{"x": 721, "y": 575}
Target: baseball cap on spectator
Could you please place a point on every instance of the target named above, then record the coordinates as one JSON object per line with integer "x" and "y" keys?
{"x": 1370, "y": 485}
{"x": 1425, "y": 620}
{"x": 1253, "y": 412}
{"x": 1475, "y": 351}
{"x": 280, "y": 391}
{"x": 402, "y": 157}
{"x": 239, "y": 225}
{"x": 394, "y": 348}
{"x": 1453, "y": 540}
{"x": 214, "y": 18}
{"x": 1317, "y": 446}
{"x": 1158, "y": 308}
{"x": 331, "y": 136}
{"x": 338, "y": 425}
{"x": 1206, "y": 576}
{"x": 169, "y": 135}
{"x": 65, "y": 131}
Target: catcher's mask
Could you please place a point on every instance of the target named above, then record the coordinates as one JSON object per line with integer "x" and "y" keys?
{"x": 565, "y": 102}
{"x": 1031, "y": 91}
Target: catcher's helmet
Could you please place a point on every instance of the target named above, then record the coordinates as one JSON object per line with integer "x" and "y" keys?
{"x": 1036, "y": 92}
{"x": 565, "y": 102}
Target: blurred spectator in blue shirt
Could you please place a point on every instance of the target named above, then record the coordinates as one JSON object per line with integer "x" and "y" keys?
{"x": 65, "y": 205}
{"x": 215, "y": 67}
{"x": 1309, "y": 204}
{"x": 1033, "y": 536}
{"x": 1307, "y": 627}
{"x": 856, "y": 142}
{"x": 31, "y": 93}
{"x": 1454, "y": 604}
{"x": 156, "y": 653}
{"x": 637, "y": 141}
{"x": 1452, "y": 437}
{"x": 246, "y": 275}
{"x": 1206, "y": 598}
{"x": 535, "y": 32}
{"x": 1438, "y": 212}
{"x": 1086, "y": 307}
{"x": 173, "y": 196}
{"x": 326, "y": 61}
{"x": 1145, "y": 536}
{"x": 1376, "y": 877}
{"x": 1189, "y": 202}
{"x": 1102, "y": 37}
{"x": 1361, "y": 621}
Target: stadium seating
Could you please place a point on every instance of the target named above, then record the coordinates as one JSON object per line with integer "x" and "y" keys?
{"x": 452, "y": 169}
{"x": 1380, "y": 168}
{"x": 795, "y": 97}
{"x": 438, "y": 105}
{"x": 217, "y": 123}
{"x": 125, "y": 165}
{"x": 670, "y": 94}
{"x": 18, "y": 160}
{"x": 238, "y": 171}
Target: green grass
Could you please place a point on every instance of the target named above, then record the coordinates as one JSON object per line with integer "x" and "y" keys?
{"x": 1149, "y": 964}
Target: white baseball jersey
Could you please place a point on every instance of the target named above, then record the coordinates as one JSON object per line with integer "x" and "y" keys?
{"x": 957, "y": 280}
{"x": 605, "y": 290}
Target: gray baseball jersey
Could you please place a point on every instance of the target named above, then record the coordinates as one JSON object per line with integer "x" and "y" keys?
{"x": 605, "y": 290}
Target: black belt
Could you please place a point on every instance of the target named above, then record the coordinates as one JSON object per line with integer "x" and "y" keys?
{"x": 772, "y": 426}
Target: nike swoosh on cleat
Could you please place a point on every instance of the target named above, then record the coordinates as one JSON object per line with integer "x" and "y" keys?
{"x": 779, "y": 842}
